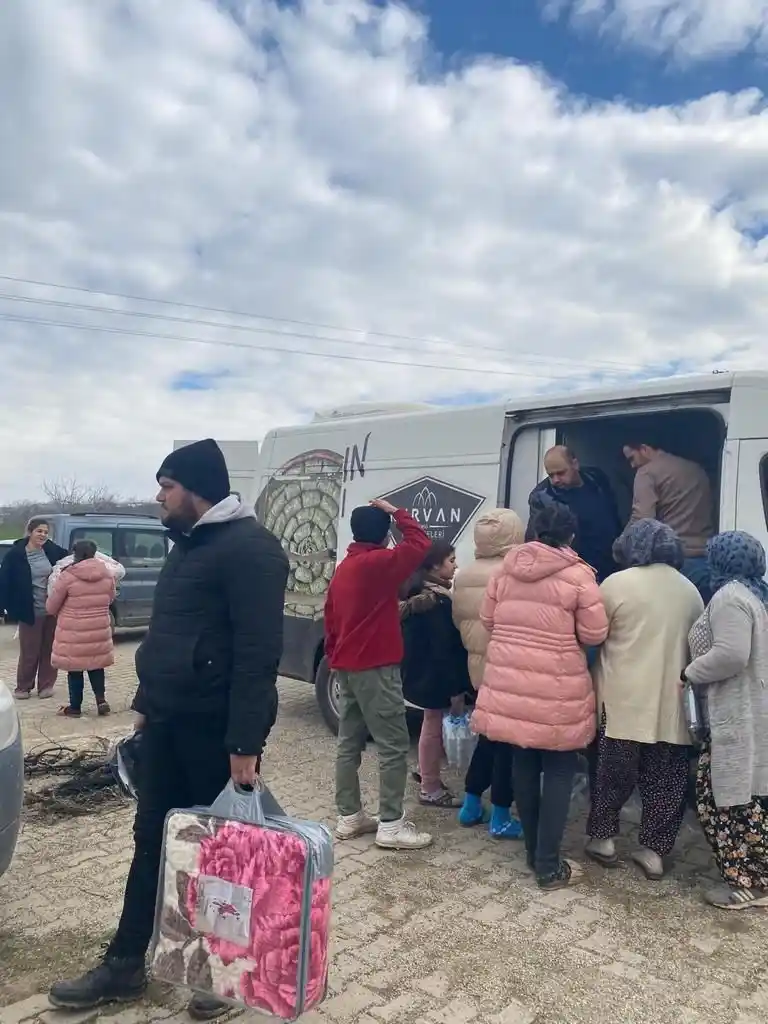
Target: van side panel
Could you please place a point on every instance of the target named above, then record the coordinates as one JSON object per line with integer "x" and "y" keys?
{"x": 443, "y": 466}
{"x": 299, "y": 501}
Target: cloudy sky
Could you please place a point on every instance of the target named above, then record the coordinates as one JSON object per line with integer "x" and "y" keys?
{"x": 217, "y": 216}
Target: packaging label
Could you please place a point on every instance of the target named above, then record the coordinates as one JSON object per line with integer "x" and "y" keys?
{"x": 224, "y": 910}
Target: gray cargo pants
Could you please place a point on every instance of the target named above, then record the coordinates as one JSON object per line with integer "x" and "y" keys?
{"x": 371, "y": 703}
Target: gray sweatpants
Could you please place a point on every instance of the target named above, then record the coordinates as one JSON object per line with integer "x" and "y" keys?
{"x": 371, "y": 703}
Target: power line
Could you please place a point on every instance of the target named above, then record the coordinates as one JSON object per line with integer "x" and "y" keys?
{"x": 141, "y": 314}
{"x": 223, "y": 343}
{"x": 271, "y": 319}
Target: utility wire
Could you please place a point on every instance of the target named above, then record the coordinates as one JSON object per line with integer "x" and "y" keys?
{"x": 141, "y": 314}
{"x": 224, "y": 343}
{"x": 271, "y": 319}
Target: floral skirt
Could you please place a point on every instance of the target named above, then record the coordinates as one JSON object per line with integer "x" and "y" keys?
{"x": 738, "y": 835}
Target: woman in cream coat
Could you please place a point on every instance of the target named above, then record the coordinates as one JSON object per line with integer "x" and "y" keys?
{"x": 643, "y": 739}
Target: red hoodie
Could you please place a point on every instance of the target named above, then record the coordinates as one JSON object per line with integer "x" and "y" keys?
{"x": 362, "y": 616}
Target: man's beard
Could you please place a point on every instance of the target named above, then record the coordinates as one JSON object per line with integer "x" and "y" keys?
{"x": 181, "y": 521}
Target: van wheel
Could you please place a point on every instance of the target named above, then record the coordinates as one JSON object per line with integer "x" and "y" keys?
{"x": 327, "y": 694}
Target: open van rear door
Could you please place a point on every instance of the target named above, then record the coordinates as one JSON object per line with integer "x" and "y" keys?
{"x": 752, "y": 489}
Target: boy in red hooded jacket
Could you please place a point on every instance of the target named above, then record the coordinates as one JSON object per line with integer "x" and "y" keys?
{"x": 364, "y": 647}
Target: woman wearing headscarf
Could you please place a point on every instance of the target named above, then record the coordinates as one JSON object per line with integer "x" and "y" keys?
{"x": 496, "y": 533}
{"x": 729, "y": 670}
{"x": 643, "y": 738}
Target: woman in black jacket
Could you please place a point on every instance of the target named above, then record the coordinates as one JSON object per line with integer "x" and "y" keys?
{"x": 24, "y": 576}
{"x": 434, "y": 669}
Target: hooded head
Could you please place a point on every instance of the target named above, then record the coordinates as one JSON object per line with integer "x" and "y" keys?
{"x": 192, "y": 480}
{"x": 370, "y": 525}
{"x": 497, "y": 532}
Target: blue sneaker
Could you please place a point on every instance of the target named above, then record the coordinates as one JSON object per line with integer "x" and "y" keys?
{"x": 472, "y": 812}
{"x": 504, "y": 824}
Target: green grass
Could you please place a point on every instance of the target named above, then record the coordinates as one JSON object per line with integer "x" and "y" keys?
{"x": 10, "y": 532}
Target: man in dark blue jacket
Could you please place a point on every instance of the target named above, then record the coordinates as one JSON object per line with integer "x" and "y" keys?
{"x": 588, "y": 494}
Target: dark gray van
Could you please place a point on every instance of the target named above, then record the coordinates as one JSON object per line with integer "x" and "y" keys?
{"x": 139, "y": 542}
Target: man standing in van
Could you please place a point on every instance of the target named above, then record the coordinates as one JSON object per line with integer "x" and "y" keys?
{"x": 207, "y": 695}
{"x": 364, "y": 647}
{"x": 588, "y": 494}
{"x": 676, "y": 492}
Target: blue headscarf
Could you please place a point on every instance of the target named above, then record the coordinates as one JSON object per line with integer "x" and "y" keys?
{"x": 737, "y": 557}
{"x": 648, "y": 542}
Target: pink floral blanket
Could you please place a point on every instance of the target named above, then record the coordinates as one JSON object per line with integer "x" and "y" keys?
{"x": 242, "y": 915}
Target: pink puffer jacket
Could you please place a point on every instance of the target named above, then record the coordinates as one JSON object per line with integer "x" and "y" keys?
{"x": 537, "y": 691}
{"x": 81, "y": 598}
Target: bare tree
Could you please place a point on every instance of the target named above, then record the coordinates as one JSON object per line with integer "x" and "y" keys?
{"x": 67, "y": 494}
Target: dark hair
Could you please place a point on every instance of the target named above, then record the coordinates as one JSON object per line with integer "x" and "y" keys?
{"x": 554, "y": 525}
{"x": 647, "y": 439}
{"x": 437, "y": 554}
{"x": 84, "y": 549}
{"x": 36, "y": 521}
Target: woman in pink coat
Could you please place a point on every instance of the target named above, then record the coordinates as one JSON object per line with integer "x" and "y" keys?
{"x": 542, "y": 609}
{"x": 83, "y": 642}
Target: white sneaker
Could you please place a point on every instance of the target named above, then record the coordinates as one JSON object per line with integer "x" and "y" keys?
{"x": 355, "y": 825}
{"x": 401, "y": 835}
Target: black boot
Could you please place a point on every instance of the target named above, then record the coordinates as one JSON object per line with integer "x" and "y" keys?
{"x": 114, "y": 980}
{"x": 206, "y": 1007}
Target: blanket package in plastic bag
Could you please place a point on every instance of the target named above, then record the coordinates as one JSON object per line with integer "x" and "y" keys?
{"x": 244, "y": 905}
{"x": 459, "y": 741}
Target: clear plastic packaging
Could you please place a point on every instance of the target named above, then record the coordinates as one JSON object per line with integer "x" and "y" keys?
{"x": 459, "y": 741}
{"x": 244, "y": 905}
{"x": 694, "y": 717}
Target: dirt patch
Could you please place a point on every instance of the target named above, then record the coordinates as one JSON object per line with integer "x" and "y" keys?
{"x": 29, "y": 967}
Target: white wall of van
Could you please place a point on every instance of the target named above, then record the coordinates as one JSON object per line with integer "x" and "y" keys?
{"x": 446, "y": 464}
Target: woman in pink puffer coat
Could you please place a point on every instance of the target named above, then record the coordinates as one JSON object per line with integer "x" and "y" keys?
{"x": 542, "y": 609}
{"x": 81, "y": 597}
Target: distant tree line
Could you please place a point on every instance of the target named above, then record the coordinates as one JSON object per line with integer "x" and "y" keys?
{"x": 67, "y": 494}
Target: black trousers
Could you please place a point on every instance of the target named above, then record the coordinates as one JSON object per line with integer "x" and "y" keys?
{"x": 76, "y": 684}
{"x": 491, "y": 765}
{"x": 183, "y": 763}
{"x": 543, "y": 785}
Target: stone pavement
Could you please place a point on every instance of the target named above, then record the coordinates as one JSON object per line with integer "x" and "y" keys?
{"x": 457, "y": 934}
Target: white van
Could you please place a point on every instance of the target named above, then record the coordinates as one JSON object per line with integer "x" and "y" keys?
{"x": 445, "y": 464}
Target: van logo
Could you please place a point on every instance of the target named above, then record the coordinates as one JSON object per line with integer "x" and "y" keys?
{"x": 442, "y": 509}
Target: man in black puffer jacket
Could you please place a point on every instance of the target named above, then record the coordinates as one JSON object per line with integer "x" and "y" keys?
{"x": 207, "y": 696}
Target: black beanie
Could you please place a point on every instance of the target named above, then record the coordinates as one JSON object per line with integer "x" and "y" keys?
{"x": 370, "y": 525}
{"x": 200, "y": 468}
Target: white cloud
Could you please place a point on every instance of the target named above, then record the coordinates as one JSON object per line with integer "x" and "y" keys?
{"x": 313, "y": 165}
{"x": 688, "y": 29}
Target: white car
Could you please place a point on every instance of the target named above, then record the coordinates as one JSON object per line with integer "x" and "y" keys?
{"x": 11, "y": 776}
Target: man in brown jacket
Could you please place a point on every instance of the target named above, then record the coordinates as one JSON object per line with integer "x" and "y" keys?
{"x": 677, "y": 492}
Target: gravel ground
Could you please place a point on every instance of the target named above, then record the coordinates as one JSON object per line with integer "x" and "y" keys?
{"x": 455, "y": 934}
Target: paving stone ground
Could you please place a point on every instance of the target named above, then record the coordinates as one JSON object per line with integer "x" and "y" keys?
{"x": 457, "y": 934}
